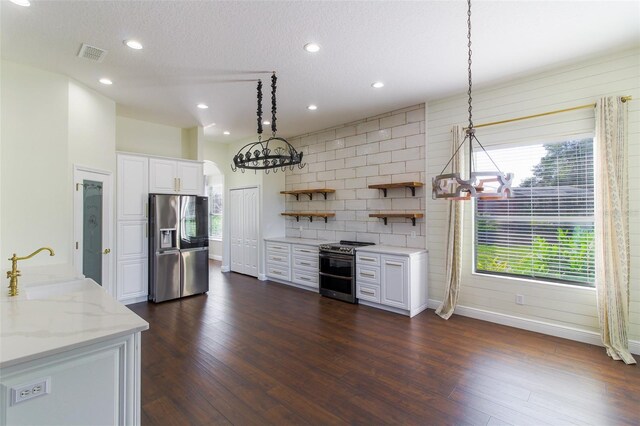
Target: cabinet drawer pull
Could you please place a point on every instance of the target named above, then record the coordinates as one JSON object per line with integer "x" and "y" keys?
{"x": 365, "y": 274}
{"x": 393, "y": 263}
{"x": 305, "y": 263}
{"x": 276, "y": 258}
{"x": 277, "y": 247}
{"x": 305, "y": 251}
{"x": 368, "y": 259}
{"x": 304, "y": 278}
{"x": 369, "y": 292}
{"x": 276, "y": 272}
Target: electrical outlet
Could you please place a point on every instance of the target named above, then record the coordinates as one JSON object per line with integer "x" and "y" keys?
{"x": 29, "y": 391}
{"x": 519, "y": 299}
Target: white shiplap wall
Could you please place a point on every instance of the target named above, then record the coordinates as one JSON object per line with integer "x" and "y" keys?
{"x": 580, "y": 83}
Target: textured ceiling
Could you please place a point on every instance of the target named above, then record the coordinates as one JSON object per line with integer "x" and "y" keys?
{"x": 200, "y": 51}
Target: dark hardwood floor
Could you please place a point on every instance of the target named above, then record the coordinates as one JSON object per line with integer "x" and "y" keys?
{"x": 251, "y": 352}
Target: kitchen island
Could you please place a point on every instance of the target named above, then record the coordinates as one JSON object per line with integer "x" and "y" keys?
{"x": 69, "y": 354}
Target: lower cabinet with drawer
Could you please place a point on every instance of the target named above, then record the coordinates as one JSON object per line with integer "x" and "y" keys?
{"x": 394, "y": 282}
{"x": 293, "y": 264}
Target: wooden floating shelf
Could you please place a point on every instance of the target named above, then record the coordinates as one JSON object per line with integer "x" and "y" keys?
{"x": 309, "y": 192}
{"x": 410, "y": 185}
{"x": 412, "y": 216}
{"x": 310, "y": 215}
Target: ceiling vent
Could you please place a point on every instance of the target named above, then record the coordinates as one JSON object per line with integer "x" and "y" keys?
{"x": 92, "y": 53}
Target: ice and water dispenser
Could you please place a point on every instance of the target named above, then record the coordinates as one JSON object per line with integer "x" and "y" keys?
{"x": 168, "y": 239}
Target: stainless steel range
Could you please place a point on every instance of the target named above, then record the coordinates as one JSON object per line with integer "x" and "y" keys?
{"x": 338, "y": 270}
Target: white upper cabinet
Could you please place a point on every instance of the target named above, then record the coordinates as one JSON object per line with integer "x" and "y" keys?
{"x": 133, "y": 192}
{"x": 175, "y": 177}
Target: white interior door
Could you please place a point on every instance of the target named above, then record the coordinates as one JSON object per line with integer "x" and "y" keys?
{"x": 93, "y": 233}
{"x": 236, "y": 238}
{"x": 250, "y": 231}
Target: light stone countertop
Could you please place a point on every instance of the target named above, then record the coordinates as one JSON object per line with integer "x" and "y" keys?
{"x": 50, "y": 318}
{"x": 295, "y": 240}
{"x": 403, "y": 251}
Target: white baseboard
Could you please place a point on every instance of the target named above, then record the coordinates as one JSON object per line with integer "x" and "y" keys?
{"x": 134, "y": 300}
{"x": 225, "y": 268}
{"x": 570, "y": 333}
{"x": 262, "y": 277}
{"x": 215, "y": 257}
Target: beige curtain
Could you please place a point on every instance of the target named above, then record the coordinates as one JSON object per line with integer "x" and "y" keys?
{"x": 612, "y": 227}
{"x": 453, "y": 262}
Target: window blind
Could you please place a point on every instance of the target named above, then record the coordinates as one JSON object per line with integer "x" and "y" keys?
{"x": 545, "y": 230}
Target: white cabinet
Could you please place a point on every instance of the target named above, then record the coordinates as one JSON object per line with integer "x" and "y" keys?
{"x": 133, "y": 187}
{"x": 133, "y": 280}
{"x": 98, "y": 383}
{"x": 395, "y": 282}
{"x": 293, "y": 264}
{"x": 175, "y": 177}
{"x": 243, "y": 230}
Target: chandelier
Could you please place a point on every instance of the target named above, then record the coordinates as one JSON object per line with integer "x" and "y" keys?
{"x": 493, "y": 185}
{"x": 274, "y": 153}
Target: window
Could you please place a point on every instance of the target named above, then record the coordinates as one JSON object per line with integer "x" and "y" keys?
{"x": 215, "y": 211}
{"x": 545, "y": 230}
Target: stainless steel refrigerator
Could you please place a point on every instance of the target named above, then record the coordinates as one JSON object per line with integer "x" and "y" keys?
{"x": 178, "y": 246}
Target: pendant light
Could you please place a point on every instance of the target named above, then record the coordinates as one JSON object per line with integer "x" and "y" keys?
{"x": 452, "y": 186}
{"x": 274, "y": 153}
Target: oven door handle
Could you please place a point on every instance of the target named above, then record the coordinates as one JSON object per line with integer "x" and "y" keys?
{"x": 324, "y": 274}
{"x": 345, "y": 257}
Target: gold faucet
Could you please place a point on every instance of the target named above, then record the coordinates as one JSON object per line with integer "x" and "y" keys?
{"x": 13, "y": 274}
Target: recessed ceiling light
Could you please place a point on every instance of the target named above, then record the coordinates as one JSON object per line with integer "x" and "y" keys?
{"x": 106, "y": 81}
{"x": 203, "y": 106}
{"x": 377, "y": 85}
{"x": 25, "y": 3}
{"x": 312, "y": 107}
{"x": 312, "y": 47}
{"x": 266, "y": 123}
{"x": 226, "y": 132}
{"x": 134, "y": 44}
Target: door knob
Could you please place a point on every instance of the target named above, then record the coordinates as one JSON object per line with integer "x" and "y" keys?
{"x": 106, "y": 251}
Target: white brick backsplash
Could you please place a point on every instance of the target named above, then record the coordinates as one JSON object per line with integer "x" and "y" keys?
{"x": 335, "y": 144}
{"x": 368, "y": 237}
{"x": 379, "y": 204}
{"x": 406, "y": 154}
{"x": 405, "y": 203}
{"x": 380, "y": 158}
{"x": 316, "y": 167}
{"x": 349, "y": 236}
{"x": 328, "y": 175}
{"x": 392, "y": 168}
{"x": 345, "y": 174}
{"x": 345, "y": 152}
{"x": 367, "y": 171}
{"x": 356, "y": 204}
{"x": 394, "y": 120}
{"x": 343, "y": 132}
{"x": 370, "y": 148}
{"x": 368, "y": 126}
{"x": 406, "y": 130}
{"x": 356, "y": 226}
{"x": 309, "y": 177}
{"x": 335, "y": 164}
{"x": 309, "y": 233}
{"x": 326, "y": 156}
{"x": 406, "y": 177}
{"x": 355, "y": 183}
{"x": 415, "y": 115}
{"x": 415, "y": 165}
{"x": 415, "y": 140}
{"x": 327, "y": 235}
{"x": 355, "y": 161}
{"x": 394, "y": 240}
{"x": 317, "y": 147}
{"x": 392, "y": 144}
{"x": 355, "y": 140}
{"x": 378, "y": 135}
{"x": 389, "y": 147}
{"x": 345, "y": 194}
{"x": 367, "y": 194}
